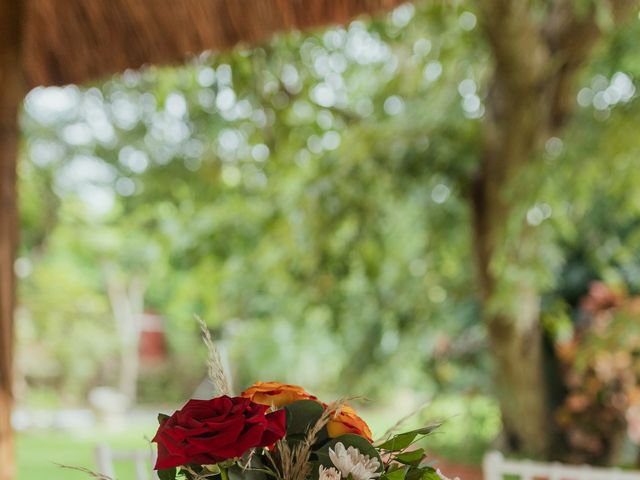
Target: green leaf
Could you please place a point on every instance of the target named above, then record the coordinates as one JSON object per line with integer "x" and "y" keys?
{"x": 431, "y": 475}
{"x": 162, "y": 418}
{"x": 212, "y": 468}
{"x": 399, "y": 442}
{"x": 167, "y": 474}
{"x": 186, "y": 474}
{"x": 397, "y": 474}
{"x": 253, "y": 472}
{"x": 422, "y": 473}
{"x": 414, "y": 457}
{"x": 348, "y": 440}
{"x": 314, "y": 474}
{"x": 403, "y": 440}
{"x": 301, "y": 416}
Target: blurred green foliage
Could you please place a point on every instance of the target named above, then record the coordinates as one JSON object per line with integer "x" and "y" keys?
{"x": 308, "y": 199}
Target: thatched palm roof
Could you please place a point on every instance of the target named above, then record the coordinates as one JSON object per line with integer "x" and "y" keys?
{"x": 73, "y": 41}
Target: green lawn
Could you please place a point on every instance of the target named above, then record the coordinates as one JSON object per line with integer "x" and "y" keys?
{"x": 39, "y": 453}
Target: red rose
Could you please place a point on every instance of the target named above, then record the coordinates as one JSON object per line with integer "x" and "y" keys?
{"x": 209, "y": 431}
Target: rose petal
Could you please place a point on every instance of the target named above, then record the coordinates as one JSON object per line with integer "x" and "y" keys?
{"x": 211, "y": 431}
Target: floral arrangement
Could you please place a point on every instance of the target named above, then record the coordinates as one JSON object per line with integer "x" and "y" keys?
{"x": 276, "y": 431}
{"x": 601, "y": 375}
{"x": 280, "y": 431}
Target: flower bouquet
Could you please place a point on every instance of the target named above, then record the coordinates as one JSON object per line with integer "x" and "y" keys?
{"x": 280, "y": 432}
{"x": 276, "y": 431}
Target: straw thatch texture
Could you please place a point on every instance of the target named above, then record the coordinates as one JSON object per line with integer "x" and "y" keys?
{"x": 73, "y": 41}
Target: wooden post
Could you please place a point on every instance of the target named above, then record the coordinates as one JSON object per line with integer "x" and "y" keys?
{"x": 11, "y": 91}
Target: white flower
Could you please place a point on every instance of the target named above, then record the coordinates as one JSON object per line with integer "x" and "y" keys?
{"x": 328, "y": 473}
{"x": 442, "y": 476}
{"x": 351, "y": 461}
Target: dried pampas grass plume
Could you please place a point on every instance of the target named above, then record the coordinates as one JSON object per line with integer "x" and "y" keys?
{"x": 214, "y": 362}
{"x": 295, "y": 461}
{"x": 91, "y": 473}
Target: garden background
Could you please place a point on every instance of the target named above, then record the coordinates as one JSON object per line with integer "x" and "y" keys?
{"x": 315, "y": 200}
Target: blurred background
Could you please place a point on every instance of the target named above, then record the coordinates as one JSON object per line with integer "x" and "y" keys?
{"x": 310, "y": 200}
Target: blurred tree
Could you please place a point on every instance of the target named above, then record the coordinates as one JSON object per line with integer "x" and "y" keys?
{"x": 537, "y": 52}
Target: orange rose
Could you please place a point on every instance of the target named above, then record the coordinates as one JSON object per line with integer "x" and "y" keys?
{"x": 276, "y": 394}
{"x": 347, "y": 421}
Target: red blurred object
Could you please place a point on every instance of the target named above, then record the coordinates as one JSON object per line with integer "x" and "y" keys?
{"x": 152, "y": 348}
{"x": 601, "y": 297}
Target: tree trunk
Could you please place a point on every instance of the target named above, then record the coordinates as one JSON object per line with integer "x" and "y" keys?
{"x": 516, "y": 121}
{"x": 520, "y": 382}
{"x": 10, "y": 96}
{"x": 130, "y": 355}
{"x": 515, "y": 337}
{"x": 127, "y": 305}
{"x": 536, "y": 59}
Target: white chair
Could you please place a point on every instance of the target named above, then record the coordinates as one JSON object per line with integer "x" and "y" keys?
{"x": 143, "y": 461}
{"x": 496, "y": 467}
